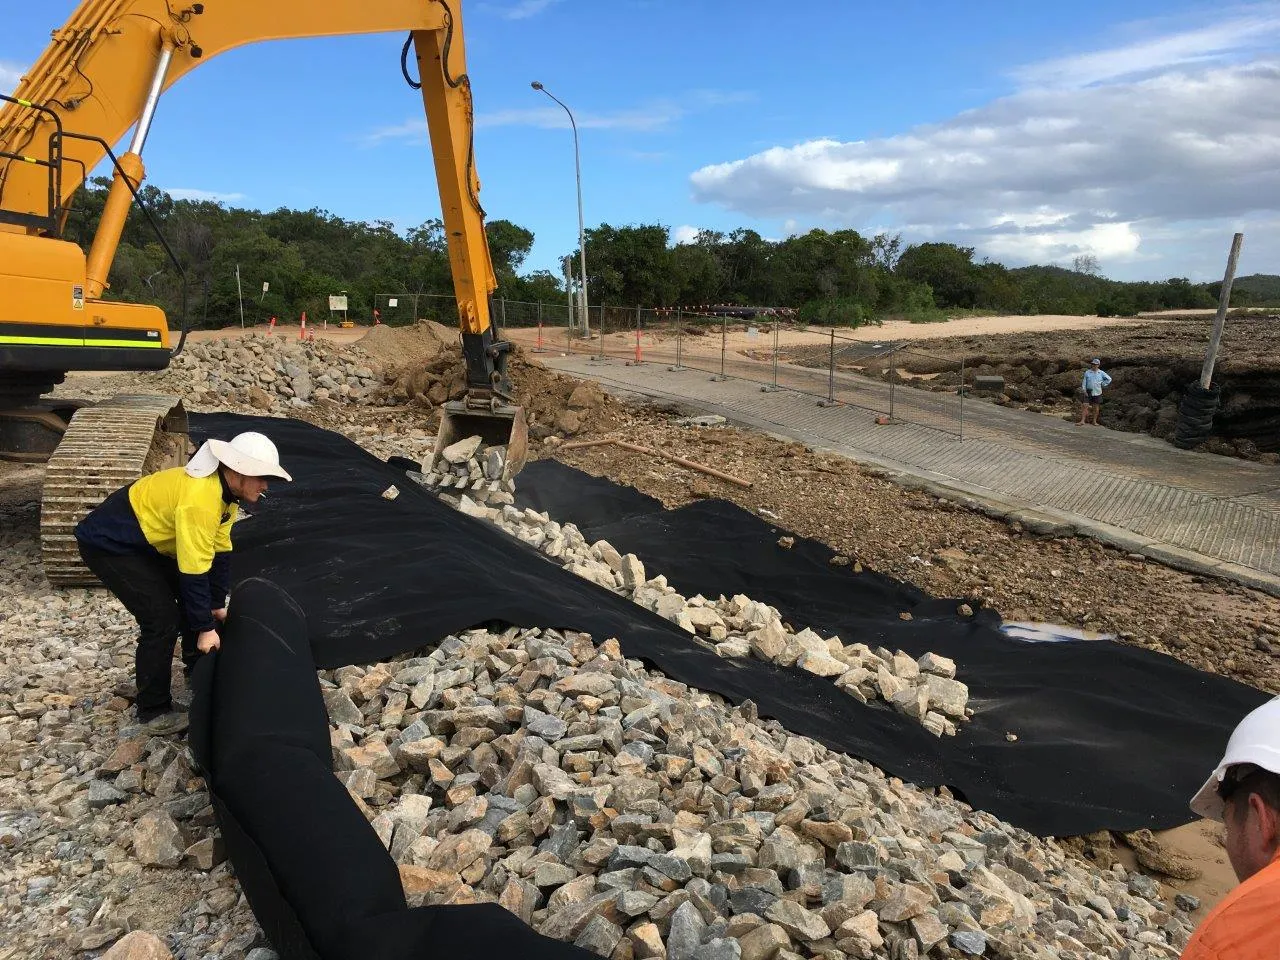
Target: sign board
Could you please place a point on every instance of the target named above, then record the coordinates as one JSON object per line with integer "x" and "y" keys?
{"x": 393, "y": 302}
{"x": 265, "y": 286}
{"x": 337, "y": 304}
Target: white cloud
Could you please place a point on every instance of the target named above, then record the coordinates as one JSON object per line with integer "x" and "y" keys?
{"x": 1109, "y": 242}
{"x": 1094, "y": 157}
{"x": 649, "y": 118}
{"x": 1251, "y": 28}
{"x": 684, "y": 234}
{"x": 189, "y": 193}
{"x": 522, "y": 10}
{"x": 10, "y": 74}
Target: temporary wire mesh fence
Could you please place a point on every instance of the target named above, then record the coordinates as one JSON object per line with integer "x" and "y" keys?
{"x": 890, "y": 379}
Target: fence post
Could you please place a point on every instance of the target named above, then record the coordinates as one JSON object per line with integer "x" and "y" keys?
{"x": 724, "y": 346}
{"x": 599, "y": 330}
{"x": 638, "y": 360}
{"x": 893, "y": 376}
{"x": 962, "y": 393}
{"x": 539, "y": 348}
{"x": 831, "y": 373}
{"x": 771, "y": 387}
{"x": 679, "y": 340}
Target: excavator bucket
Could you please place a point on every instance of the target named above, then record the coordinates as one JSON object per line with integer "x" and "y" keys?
{"x": 502, "y": 426}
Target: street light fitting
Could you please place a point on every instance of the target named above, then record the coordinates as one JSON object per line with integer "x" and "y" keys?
{"x": 536, "y": 85}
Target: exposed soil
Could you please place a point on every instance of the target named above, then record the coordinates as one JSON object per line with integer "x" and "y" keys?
{"x": 1151, "y": 365}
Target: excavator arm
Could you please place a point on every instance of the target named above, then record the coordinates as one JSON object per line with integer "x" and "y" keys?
{"x": 107, "y": 70}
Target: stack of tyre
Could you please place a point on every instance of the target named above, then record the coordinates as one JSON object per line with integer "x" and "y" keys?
{"x": 1195, "y": 415}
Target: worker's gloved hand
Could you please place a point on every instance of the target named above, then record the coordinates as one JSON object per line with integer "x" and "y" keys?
{"x": 220, "y": 615}
{"x": 208, "y": 641}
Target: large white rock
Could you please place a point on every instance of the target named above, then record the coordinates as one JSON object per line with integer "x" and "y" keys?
{"x": 939, "y": 666}
{"x": 949, "y": 697}
{"x": 823, "y": 664}
{"x": 462, "y": 451}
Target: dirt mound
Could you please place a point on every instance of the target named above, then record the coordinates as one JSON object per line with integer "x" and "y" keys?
{"x": 399, "y": 347}
{"x": 553, "y": 404}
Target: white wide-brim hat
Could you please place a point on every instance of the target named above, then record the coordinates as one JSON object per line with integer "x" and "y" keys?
{"x": 252, "y": 454}
{"x": 1256, "y": 741}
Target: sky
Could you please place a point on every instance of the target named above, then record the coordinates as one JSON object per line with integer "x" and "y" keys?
{"x": 1143, "y": 132}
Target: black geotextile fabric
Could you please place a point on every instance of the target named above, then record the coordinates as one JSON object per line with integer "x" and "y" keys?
{"x": 1109, "y": 737}
{"x": 318, "y": 878}
{"x": 1108, "y": 734}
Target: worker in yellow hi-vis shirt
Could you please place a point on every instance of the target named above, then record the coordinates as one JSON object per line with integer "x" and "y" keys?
{"x": 162, "y": 545}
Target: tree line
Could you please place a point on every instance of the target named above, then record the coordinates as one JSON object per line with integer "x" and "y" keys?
{"x": 838, "y": 277}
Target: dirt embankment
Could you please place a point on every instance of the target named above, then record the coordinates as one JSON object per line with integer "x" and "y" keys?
{"x": 1151, "y": 365}
{"x": 423, "y": 367}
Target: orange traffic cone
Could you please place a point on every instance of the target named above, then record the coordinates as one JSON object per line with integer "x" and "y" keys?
{"x": 302, "y": 331}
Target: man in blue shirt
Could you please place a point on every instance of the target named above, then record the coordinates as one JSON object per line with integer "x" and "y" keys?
{"x": 1095, "y": 378}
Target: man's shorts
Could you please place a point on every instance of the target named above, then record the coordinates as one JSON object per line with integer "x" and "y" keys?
{"x": 1093, "y": 399}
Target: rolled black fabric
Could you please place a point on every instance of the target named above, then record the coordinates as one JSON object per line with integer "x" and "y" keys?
{"x": 319, "y": 880}
{"x": 1109, "y": 736}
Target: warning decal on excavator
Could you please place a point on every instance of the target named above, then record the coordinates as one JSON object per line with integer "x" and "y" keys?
{"x": 77, "y": 297}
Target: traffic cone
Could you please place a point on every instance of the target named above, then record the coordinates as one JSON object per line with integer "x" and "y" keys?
{"x": 302, "y": 331}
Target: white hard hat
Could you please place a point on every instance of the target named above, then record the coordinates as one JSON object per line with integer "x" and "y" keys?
{"x": 1256, "y": 740}
{"x": 252, "y": 454}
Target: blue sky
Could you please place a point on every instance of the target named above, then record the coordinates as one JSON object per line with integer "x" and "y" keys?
{"x": 1143, "y": 132}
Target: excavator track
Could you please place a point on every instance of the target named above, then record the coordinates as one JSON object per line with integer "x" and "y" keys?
{"x": 106, "y": 447}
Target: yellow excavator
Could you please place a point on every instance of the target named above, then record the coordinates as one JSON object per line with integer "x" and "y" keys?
{"x": 105, "y": 72}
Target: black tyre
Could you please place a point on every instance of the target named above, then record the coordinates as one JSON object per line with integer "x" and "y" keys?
{"x": 1193, "y": 406}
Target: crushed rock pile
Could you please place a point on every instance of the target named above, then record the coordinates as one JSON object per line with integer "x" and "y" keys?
{"x": 472, "y": 466}
{"x": 420, "y": 366}
{"x": 925, "y": 689}
{"x": 272, "y": 373}
{"x": 640, "y": 818}
{"x": 103, "y": 829}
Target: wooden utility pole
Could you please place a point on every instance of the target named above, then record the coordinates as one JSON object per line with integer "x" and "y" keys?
{"x": 1219, "y": 321}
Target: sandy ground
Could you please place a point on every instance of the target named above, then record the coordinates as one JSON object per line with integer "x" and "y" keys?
{"x": 1200, "y": 843}
{"x": 739, "y": 339}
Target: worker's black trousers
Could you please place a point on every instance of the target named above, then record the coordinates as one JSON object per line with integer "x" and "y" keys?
{"x": 147, "y": 585}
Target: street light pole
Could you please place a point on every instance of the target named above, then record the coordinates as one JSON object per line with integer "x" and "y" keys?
{"x": 582, "y": 236}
